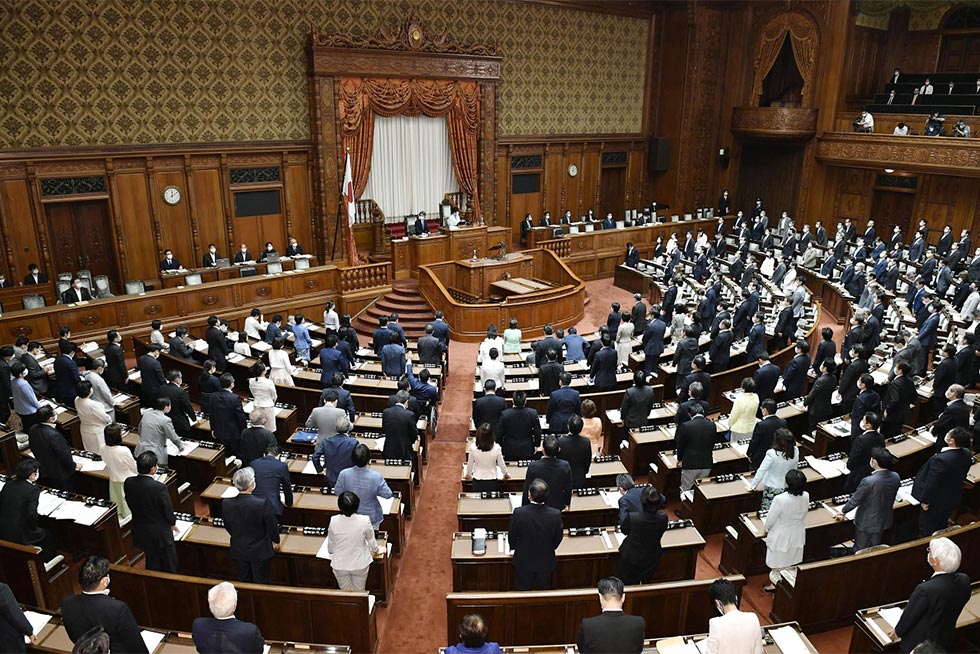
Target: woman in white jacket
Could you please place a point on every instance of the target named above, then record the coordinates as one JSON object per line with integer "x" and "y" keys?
{"x": 92, "y": 418}
{"x": 351, "y": 544}
{"x": 786, "y": 527}
{"x": 264, "y": 393}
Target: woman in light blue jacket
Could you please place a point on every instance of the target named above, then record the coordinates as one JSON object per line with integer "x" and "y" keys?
{"x": 780, "y": 459}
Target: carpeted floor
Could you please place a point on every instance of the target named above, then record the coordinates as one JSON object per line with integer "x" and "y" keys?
{"x": 415, "y": 620}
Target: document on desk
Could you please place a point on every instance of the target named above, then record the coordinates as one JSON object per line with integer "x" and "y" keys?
{"x": 614, "y": 416}
{"x": 88, "y": 465}
{"x": 200, "y": 345}
{"x": 152, "y": 639}
{"x": 789, "y": 641}
{"x": 323, "y": 552}
{"x": 610, "y": 498}
{"x": 877, "y": 631}
{"x": 119, "y": 398}
{"x": 231, "y": 491}
{"x": 48, "y": 503}
{"x": 134, "y": 376}
{"x": 183, "y": 526}
{"x": 741, "y": 448}
{"x": 905, "y": 493}
{"x": 248, "y": 406}
{"x": 891, "y": 615}
{"x": 386, "y": 504}
{"x": 381, "y": 443}
{"x": 37, "y": 620}
{"x": 515, "y": 500}
{"x": 189, "y": 447}
{"x": 89, "y": 347}
{"x": 309, "y": 468}
{"x": 676, "y": 645}
{"x": 826, "y": 468}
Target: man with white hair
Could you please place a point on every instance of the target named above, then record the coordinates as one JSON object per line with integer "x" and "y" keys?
{"x": 251, "y": 523}
{"x": 936, "y": 603}
{"x": 224, "y": 632}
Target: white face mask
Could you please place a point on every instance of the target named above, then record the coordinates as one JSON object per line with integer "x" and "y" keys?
{"x": 213, "y": 250}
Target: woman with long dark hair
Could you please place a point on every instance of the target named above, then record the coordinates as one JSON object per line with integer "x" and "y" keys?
{"x": 640, "y": 553}
{"x": 484, "y": 459}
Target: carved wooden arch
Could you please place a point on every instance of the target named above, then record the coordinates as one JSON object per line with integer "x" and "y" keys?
{"x": 404, "y": 53}
{"x": 804, "y": 37}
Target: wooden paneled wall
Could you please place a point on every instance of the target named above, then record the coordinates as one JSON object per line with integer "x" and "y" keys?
{"x": 141, "y": 224}
{"x": 864, "y": 66}
{"x": 598, "y": 186}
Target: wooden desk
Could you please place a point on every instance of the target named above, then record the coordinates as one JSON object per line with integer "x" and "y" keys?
{"x": 313, "y": 615}
{"x": 834, "y": 299}
{"x": 23, "y": 569}
{"x": 312, "y": 508}
{"x": 824, "y": 596}
{"x": 494, "y": 514}
{"x": 665, "y": 472}
{"x": 199, "y": 466}
{"x": 554, "y": 616}
{"x": 581, "y": 560}
{"x": 205, "y": 551}
{"x": 601, "y": 475}
{"x": 233, "y": 271}
{"x": 408, "y": 254}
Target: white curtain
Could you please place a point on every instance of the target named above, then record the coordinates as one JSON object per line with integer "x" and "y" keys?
{"x": 411, "y": 166}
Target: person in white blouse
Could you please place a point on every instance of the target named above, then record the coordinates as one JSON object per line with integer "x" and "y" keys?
{"x": 780, "y": 459}
{"x": 734, "y": 631}
{"x": 351, "y": 544}
{"x": 156, "y": 335}
{"x": 253, "y": 324}
{"x": 484, "y": 459}
{"x": 264, "y": 394}
{"x": 492, "y": 340}
{"x": 92, "y": 418}
{"x": 624, "y": 340}
{"x": 100, "y": 389}
{"x": 330, "y": 318}
{"x": 786, "y": 527}
{"x": 901, "y": 130}
{"x": 971, "y": 308}
{"x": 493, "y": 368}
{"x": 926, "y": 88}
{"x": 281, "y": 372}
{"x": 120, "y": 464}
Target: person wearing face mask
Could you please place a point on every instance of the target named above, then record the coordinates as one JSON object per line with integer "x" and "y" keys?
{"x": 545, "y": 220}
{"x": 34, "y": 276}
{"x": 269, "y": 251}
{"x": 18, "y": 510}
{"x": 210, "y": 259}
{"x": 169, "y": 262}
{"x": 939, "y": 482}
{"x": 243, "y": 255}
{"x": 294, "y": 249}
{"x": 4, "y": 282}
{"x": 77, "y": 293}
{"x": 734, "y": 632}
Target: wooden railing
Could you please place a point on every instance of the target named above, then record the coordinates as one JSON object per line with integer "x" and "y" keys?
{"x": 559, "y": 246}
{"x": 366, "y": 210}
{"x": 458, "y": 199}
{"x": 362, "y": 278}
{"x": 463, "y": 297}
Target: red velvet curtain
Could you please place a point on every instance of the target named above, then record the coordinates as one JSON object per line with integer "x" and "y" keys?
{"x": 459, "y": 101}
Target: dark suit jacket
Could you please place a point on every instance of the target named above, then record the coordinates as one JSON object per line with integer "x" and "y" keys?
{"x": 65, "y": 379}
{"x": 115, "y": 366}
{"x": 518, "y": 432}
{"x": 956, "y": 414}
{"x": 488, "y": 409}
{"x": 37, "y": 376}
{"x": 82, "y": 612}
{"x": 41, "y": 279}
{"x": 13, "y": 624}
{"x": 242, "y": 258}
{"x": 228, "y": 419}
{"x": 643, "y": 530}
{"x": 251, "y": 522}
{"x": 548, "y": 375}
{"x": 765, "y": 381}
{"x": 398, "y": 424}
{"x": 153, "y": 513}
{"x": 562, "y": 404}
{"x": 534, "y": 534}
{"x": 939, "y": 482}
{"x": 635, "y": 409}
{"x": 217, "y": 346}
{"x": 208, "y": 262}
{"x": 577, "y": 451}
{"x": 933, "y": 608}
{"x": 720, "y": 350}
{"x": 762, "y": 438}
{"x": 795, "y": 376}
{"x": 181, "y": 410}
{"x": 180, "y": 349}
{"x": 859, "y": 458}
{"x": 825, "y": 350}
{"x": 213, "y": 636}
{"x": 207, "y": 386}
{"x": 901, "y": 393}
{"x": 271, "y": 476}
{"x": 866, "y": 401}
{"x": 71, "y": 297}
{"x": 611, "y": 632}
{"x": 151, "y": 379}
{"x": 557, "y": 474}
{"x": 18, "y": 513}
{"x": 604, "y": 369}
{"x": 874, "y": 500}
{"x": 53, "y": 455}
{"x": 541, "y": 349}
{"x": 254, "y": 442}
{"x": 695, "y": 440}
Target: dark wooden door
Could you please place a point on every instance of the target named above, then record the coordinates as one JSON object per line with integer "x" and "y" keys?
{"x": 890, "y": 208}
{"x": 960, "y": 53}
{"x": 613, "y": 183}
{"x": 81, "y": 239}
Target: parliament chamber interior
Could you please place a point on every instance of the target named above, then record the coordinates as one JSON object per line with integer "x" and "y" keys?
{"x": 525, "y": 326}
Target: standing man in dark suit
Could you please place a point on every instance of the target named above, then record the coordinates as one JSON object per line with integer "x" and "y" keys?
{"x": 698, "y": 375}
{"x": 154, "y": 523}
{"x": 179, "y": 347}
{"x": 151, "y": 375}
{"x": 612, "y": 631}
{"x": 251, "y": 522}
{"x": 765, "y": 377}
{"x": 900, "y": 396}
{"x": 632, "y": 258}
{"x": 116, "y": 373}
{"x": 695, "y": 441}
{"x": 653, "y": 340}
{"x": 795, "y": 373}
{"x": 936, "y": 603}
{"x": 874, "y": 500}
{"x": 867, "y": 401}
{"x": 556, "y": 473}
{"x": 549, "y": 342}
{"x": 720, "y": 350}
{"x": 862, "y": 445}
{"x": 944, "y": 376}
{"x": 819, "y": 400}
{"x": 755, "y": 344}
{"x": 256, "y": 439}
{"x": 534, "y": 534}
{"x": 182, "y": 412}
{"x": 939, "y": 482}
{"x": 217, "y": 343}
{"x": 430, "y": 348}
{"x": 52, "y": 452}
{"x": 18, "y": 510}
{"x": 94, "y": 608}
{"x": 637, "y": 402}
{"x": 228, "y": 419}
{"x": 518, "y": 429}
{"x": 65, "y": 375}
{"x": 489, "y": 407}
{"x": 398, "y": 425}
{"x": 440, "y": 328}
{"x": 564, "y": 403}
{"x": 526, "y": 224}
{"x": 548, "y": 374}
{"x": 956, "y": 414}
{"x": 272, "y": 478}
{"x": 764, "y": 433}
{"x": 927, "y": 334}
{"x": 14, "y": 626}
{"x": 37, "y": 376}
{"x": 638, "y": 314}
{"x": 224, "y": 632}
{"x": 577, "y": 451}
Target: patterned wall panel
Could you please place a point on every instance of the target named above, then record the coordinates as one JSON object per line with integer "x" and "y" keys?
{"x": 101, "y": 72}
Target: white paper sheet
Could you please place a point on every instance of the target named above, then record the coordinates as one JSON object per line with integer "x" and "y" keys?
{"x": 37, "y": 620}
{"x": 789, "y": 641}
{"x": 877, "y": 631}
{"x": 741, "y": 448}
{"x": 614, "y": 416}
{"x": 386, "y": 504}
{"x": 183, "y": 526}
{"x": 905, "y": 493}
{"x": 309, "y": 468}
{"x": 610, "y": 498}
{"x": 231, "y": 491}
{"x": 515, "y": 501}
{"x": 47, "y": 503}
{"x": 605, "y": 540}
{"x": 826, "y": 468}
{"x": 88, "y": 465}
{"x": 501, "y": 543}
{"x": 322, "y": 553}
{"x": 152, "y": 639}
{"x": 891, "y": 615}
{"x": 119, "y": 398}
{"x": 248, "y": 406}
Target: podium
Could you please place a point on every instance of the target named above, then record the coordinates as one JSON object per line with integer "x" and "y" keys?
{"x": 448, "y": 245}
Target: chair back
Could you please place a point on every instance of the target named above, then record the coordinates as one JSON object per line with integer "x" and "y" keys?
{"x": 192, "y": 279}
{"x": 33, "y": 301}
{"x": 274, "y": 267}
{"x": 135, "y": 287}
{"x": 301, "y": 264}
{"x": 102, "y": 286}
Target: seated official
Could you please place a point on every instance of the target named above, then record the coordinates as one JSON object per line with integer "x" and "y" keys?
{"x": 936, "y": 603}
{"x": 34, "y": 276}
{"x": 535, "y": 532}
{"x": 77, "y": 293}
{"x": 269, "y": 251}
{"x": 367, "y": 484}
{"x": 210, "y": 260}
{"x": 335, "y": 453}
{"x": 169, "y": 263}
{"x": 419, "y": 226}
{"x": 484, "y": 461}
{"x": 18, "y": 511}
{"x": 251, "y": 523}
{"x": 93, "y": 607}
{"x": 224, "y": 632}
{"x": 735, "y": 631}
{"x": 351, "y": 544}
{"x": 473, "y": 636}
{"x": 154, "y": 523}
{"x": 243, "y": 255}
{"x": 611, "y": 631}
{"x": 608, "y": 222}
{"x": 640, "y": 551}
{"x": 294, "y": 249}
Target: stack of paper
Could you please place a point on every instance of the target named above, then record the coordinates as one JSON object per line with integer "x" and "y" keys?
{"x": 37, "y": 620}
{"x": 741, "y": 448}
{"x": 515, "y": 501}
{"x": 386, "y": 504}
{"x": 905, "y": 493}
{"x": 152, "y": 639}
{"x": 789, "y": 641}
{"x": 88, "y": 465}
{"x": 826, "y": 468}
{"x": 891, "y": 615}
{"x": 323, "y": 552}
{"x": 610, "y": 498}
{"x": 47, "y": 503}
{"x": 183, "y": 526}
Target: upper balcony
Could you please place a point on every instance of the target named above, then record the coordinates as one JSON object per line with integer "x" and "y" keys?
{"x": 787, "y": 124}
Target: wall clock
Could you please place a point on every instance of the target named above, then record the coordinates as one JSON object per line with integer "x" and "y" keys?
{"x": 171, "y": 195}
{"x": 572, "y": 170}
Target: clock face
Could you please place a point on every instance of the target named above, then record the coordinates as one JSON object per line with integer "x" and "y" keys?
{"x": 573, "y": 170}
{"x": 171, "y": 195}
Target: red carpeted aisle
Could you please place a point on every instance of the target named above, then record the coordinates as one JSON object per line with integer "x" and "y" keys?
{"x": 415, "y": 620}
